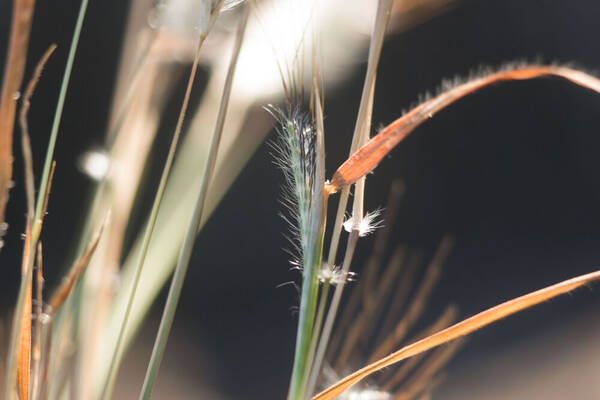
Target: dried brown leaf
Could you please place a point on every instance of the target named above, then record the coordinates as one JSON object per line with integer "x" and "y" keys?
{"x": 63, "y": 291}
{"x": 458, "y": 330}
{"x": 11, "y": 82}
{"x": 368, "y": 157}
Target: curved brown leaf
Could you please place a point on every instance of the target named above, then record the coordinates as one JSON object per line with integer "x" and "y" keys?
{"x": 458, "y": 330}
{"x": 367, "y": 157}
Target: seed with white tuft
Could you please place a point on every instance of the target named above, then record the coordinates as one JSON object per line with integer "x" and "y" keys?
{"x": 365, "y": 225}
{"x": 334, "y": 275}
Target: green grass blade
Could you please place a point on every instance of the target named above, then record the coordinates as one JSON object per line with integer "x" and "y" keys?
{"x": 188, "y": 244}
{"x": 119, "y": 347}
{"x": 10, "y": 370}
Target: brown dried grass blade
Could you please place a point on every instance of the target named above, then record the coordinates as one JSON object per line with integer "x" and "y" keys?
{"x": 417, "y": 304}
{"x": 36, "y": 340}
{"x": 460, "y": 329}
{"x": 368, "y": 156}
{"x": 371, "y": 309}
{"x": 11, "y": 82}
{"x": 24, "y": 355}
{"x": 63, "y": 291}
{"x": 427, "y": 372}
{"x": 25, "y": 137}
{"x": 443, "y": 321}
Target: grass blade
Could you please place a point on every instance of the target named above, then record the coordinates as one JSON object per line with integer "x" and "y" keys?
{"x": 41, "y": 200}
{"x": 13, "y": 75}
{"x": 24, "y": 356}
{"x": 188, "y": 244}
{"x": 63, "y": 291}
{"x": 118, "y": 350}
{"x": 366, "y": 159}
{"x": 460, "y": 329}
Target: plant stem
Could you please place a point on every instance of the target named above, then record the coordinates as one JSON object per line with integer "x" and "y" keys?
{"x": 37, "y": 222}
{"x": 312, "y": 256}
{"x": 188, "y": 244}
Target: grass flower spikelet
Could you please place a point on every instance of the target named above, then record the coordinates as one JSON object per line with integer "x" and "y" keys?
{"x": 294, "y": 153}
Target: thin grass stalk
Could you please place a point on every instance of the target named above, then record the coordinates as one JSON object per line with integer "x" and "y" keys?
{"x": 318, "y": 354}
{"x": 37, "y": 223}
{"x": 379, "y": 28}
{"x": 118, "y": 350}
{"x": 24, "y": 357}
{"x": 371, "y": 268}
{"x": 22, "y": 16}
{"x": 428, "y": 370}
{"x": 311, "y": 260}
{"x": 37, "y": 338}
{"x": 361, "y": 136}
{"x": 337, "y": 295}
{"x": 460, "y": 329}
{"x": 443, "y": 321}
{"x": 188, "y": 244}
{"x": 318, "y": 320}
{"x": 323, "y": 300}
{"x": 417, "y": 304}
{"x": 371, "y": 309}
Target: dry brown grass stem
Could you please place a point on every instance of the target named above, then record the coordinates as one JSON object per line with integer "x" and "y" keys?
{"x": 443, "y": 321}
{"x": 369, "y": 312}
{"x": 376, "y": 300}
{"x": 426, "y": 372}
{"x": 36, "y": 341}
{"x": 368, "y": 157}
{"x": 401, "y": 295}
{"x": 460, "y": 329}
{"x": 25, "y": 137}
{"x": 417, "y": 305}
{"x": 372, "y": 266}
{"x": 24, "y": 355}
{"x": 61, "y": 293}
{"x": 382, "y": 236}
{"x": 11, "y": 82}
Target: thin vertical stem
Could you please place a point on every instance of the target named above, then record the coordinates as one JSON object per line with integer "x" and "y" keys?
{"x": 37, "y": 222}
{"x": 188, "y": 244}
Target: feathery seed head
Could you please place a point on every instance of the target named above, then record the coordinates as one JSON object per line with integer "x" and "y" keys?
{"x": 334, "y": 275}
{"x": 294, "y": 153}
{"x": 365, "y": 225}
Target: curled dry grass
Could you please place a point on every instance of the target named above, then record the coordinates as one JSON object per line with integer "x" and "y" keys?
{"x": 368, "y": 157}
{"x": 460, "y": 329}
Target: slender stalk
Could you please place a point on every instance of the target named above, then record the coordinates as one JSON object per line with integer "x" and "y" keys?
{"x": 118, "y": 350}
{"x": 188, "y": 244}
{"x": 381, "y": 22}
{"x": 360, "y": 137}
{"x": 22, "y": 16}
{"x": 37, "y": 222}
{"x": 333, "y": 307}
{"x": 312, "y": 256}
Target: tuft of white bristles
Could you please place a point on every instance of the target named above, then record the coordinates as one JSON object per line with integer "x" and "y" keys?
{"x": 365, "y": 225}
{"x": 334, "y": 275}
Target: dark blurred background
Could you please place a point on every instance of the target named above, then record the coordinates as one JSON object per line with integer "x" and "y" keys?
{"x": 512, "y": 172}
